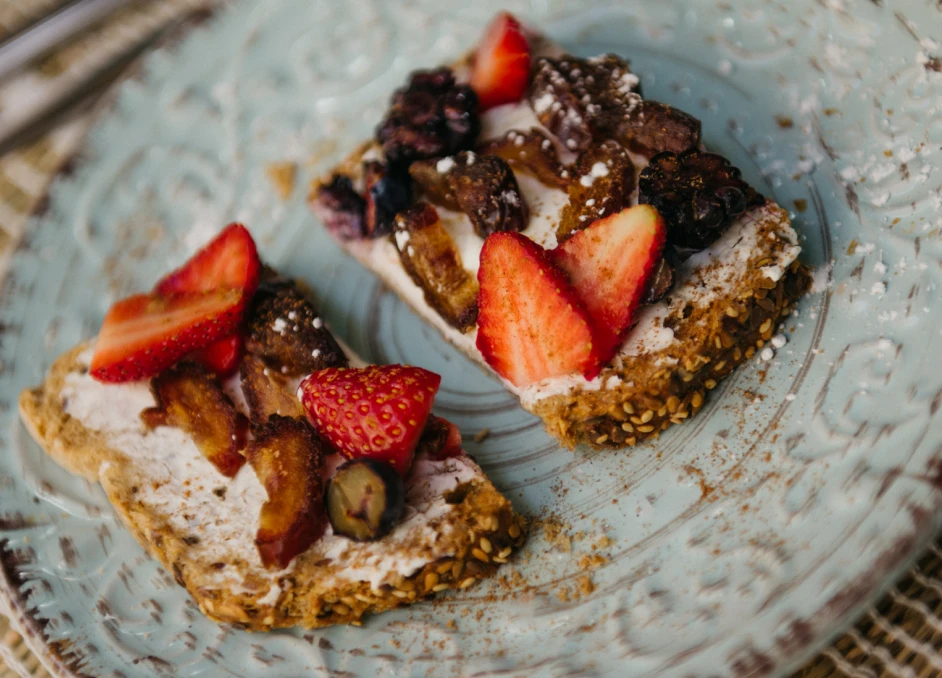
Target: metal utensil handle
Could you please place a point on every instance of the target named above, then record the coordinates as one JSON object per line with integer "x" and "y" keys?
{"x": 41, "y": 37}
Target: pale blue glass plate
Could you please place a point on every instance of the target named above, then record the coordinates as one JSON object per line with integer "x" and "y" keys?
{"x": 740, "y": 541}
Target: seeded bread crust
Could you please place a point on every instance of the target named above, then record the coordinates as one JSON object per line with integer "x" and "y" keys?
{"x": 481, "y": 530}
{"x": 651, "y": 396}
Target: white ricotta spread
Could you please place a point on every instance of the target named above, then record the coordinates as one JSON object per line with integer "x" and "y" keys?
{"x": 731, "y": 252}
{"x": 196, "y": 499}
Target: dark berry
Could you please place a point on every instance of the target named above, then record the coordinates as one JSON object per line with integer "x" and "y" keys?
{"x": 388, "y": 191}
{"x": 341, "y": 208}
{"x": 698, "y": 195}
{"x": 365, "y": 499}
{"x": 431, "y": 116}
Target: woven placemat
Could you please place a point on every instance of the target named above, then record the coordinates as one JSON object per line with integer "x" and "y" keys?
{"x": 901, "y": 636}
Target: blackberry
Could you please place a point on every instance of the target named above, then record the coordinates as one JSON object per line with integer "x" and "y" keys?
{"x": 431, "y": 116}
{"x": 388, "y": 191}
{"x": 698, "y": 195}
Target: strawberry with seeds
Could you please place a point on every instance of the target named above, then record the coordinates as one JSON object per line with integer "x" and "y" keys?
{"x": 609, "y": 265}
{"x": 531, "y": 323}
{"x": 147, "y": 333}
{"x": 501, "y": 67}
{"x": 230, "y": 260}
{"x": 377, "y": 411}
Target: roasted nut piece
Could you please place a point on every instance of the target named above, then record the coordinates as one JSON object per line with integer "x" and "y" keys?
{"x": 433, "y": 261}
{"x": 287, "y": 457}
{"x": 267, "y": 392}
{"x": 657, "y": 127}
{"x": 431, "y": 116}
{"x": 583, "y": 100}
{"x": 285, "y": 331}
{"x": 602, "y": 184}
{"x": 586, "y": 100}
{"x": 388, "y": 191}
{"x": 440, "y": 440}
{"x": 340, "y": 207}
{"x": 431, "y": 178}
{"x": 660, "y": 284}
{"x": 365, "y": 499}
{"x": 698, "y": 194}
{"x": 532, "y": 152}
{"x": 191, "y": 399}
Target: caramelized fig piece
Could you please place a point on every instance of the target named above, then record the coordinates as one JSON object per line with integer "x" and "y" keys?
{"x": 432, "y": 259}
{"x": 657, "y": 127}
{"x": 341, "y": 209}
{"x": 532, "y": 152}
{"x": 267, "y": 392}
{"x": 440, "y": 440}
{"x": 602, "y": 184}
{"x": 431, "y": 116}
{"x": 583, "y": 100}
{"x": 388, "y": 191}
{"x": 190, "y": 398}
{"x": 286, "y": 331}
{"x": 589, "y": 100}
{"x": 365, "y": 499}
{"x": 487, "y": 192}
{"x": 481, "y": 186}
{"x": 431, "y": 179}
{"x": 287, "y": 457}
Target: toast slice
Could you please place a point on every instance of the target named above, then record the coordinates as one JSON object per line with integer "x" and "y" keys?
{"x": 456, "y": 528}
{"x": 726, "y": 301}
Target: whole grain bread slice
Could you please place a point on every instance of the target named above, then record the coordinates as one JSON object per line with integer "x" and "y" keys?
{"x": 726, "y": 304}
{"x": 724, "y": 307}
{"x": 201, "y": 526}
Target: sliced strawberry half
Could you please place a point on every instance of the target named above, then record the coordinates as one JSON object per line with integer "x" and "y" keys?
{"x": 609, "y": 265}
{"x": 501, "y": 67}
{"x": 531, "y": 323}
{"x": 377, "y": 411}
{"x": 144, "y": 334}
{"x": 228, "y": 260}
{"x": 222, "y": 357}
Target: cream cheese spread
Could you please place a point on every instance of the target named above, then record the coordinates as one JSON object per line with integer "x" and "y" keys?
{"x": 186, "y": 490}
